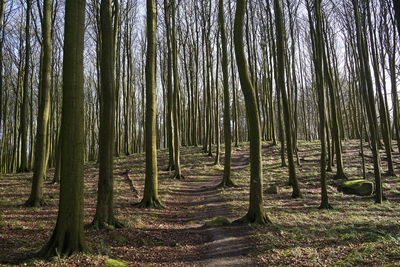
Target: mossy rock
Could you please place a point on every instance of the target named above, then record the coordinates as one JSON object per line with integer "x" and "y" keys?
{"x": 217, "y": 221}
{"x": 357, "y": 187}
{"x": 115, "y": 263}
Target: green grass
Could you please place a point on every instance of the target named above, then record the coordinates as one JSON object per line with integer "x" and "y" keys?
{"x": 115, "y": 263}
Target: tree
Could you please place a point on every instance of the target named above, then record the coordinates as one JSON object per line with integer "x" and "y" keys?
{"x": 227, "y": 180}
{"x": 104, "y": 217}
{"x": 169, "y": 121}
{"x": 24, "y": 167}
{"x": 176, "y": 97}
{"x": 40, "y": 159}
{"x": 367, "y": 90}
{"x": 68, "y": 236}
{"x": 317, "y": 42}
{"x": 256, "y": 212}
{"x": 396, "y": 4}
{"x": 150, "y": 197}
{"x": 280, "y": 44}
{"x": 2, "y": 7}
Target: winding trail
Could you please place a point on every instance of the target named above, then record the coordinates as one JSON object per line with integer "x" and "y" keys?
{"x": 200, "y": 200}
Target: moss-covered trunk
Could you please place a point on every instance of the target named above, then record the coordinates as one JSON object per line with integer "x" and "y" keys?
{"x": 40, "y": 159}
{"x": 280, "y": 45}
{"x": 256, "y": 212}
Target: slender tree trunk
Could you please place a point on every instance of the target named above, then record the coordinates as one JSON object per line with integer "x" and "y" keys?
{"x": 24, "y": 167}
{"x": 104, "y": 217}
{"x": 177, "y": 134}
{"x": 317, "y": 42}
{"x": 2, "y": 6}
{"x": 150, "y": 197}
{"x": 256, "y": 212}
{"x": 170, "y": 126}
{"x": 227, "y": 180}
{"x": 369, "y": 99}
{"x": 40, "y": 159}
{"x": 286, "y": 109}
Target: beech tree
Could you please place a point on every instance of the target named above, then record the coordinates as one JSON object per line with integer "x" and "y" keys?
{"x": 256, "y": 212}
{"x": 150, "y": 197}
{"x": 104, "y": 217}
{"x": 24, "y": 167}
{"x": 282, "y": 88}
{"x": 40, "y": 159}
{"x": 227, "y": 180}
{"x": 68, "y": 237}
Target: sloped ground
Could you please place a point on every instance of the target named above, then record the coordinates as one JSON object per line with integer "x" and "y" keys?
{"x": 356, "y": 232}
{"x": 174, "y": 236}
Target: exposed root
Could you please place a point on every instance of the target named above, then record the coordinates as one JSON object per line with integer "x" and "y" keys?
{"x": 254, "y": 218}
{"x": 325, "y": 206}
{"x": 390, "y": 174}
{"x": 226, "y": 184}
{"x": 61, "y": 245}
{"x": 340, "y": 176}
{"x": 169, "y": 168}
{"x": 149, "y": 204}
{"x": 296, "y": 194}
{"x": 178, "y": 177}
{"x": 112, "y": 224}
{"x": 35, "y": 203}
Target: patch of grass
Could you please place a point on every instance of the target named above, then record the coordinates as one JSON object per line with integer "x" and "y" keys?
{"x": 115, "y": 263}
{"x": 193, "y": 222}
{"x": 217, "y": 221}
{"x": 119, "y": 238}
{"x": 102, "y": 248}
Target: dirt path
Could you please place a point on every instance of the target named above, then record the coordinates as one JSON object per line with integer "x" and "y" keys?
{"x": 200, "y": 200}
{"x": 174, "y": 236}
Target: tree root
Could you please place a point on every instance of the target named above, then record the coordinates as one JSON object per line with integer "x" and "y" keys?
{"x": 60, "y": 245}
{"x": 149, "y": 204}
{"x": 178, "y": 177}
{"x": 390, "y": 174}
{"x": 169, "y": 168}
{"x": 226, "y": 184}
{"x": 296, "y": 194}
{"x": 325, "y": 206}
{"x": 340, "y": 176}
{"x": 254, "y": 218}
{"x": 112, "y": 224}
{"x": 35, "y": 203}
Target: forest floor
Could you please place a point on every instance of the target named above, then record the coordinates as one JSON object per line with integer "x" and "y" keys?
{"x": 356, "y": 233}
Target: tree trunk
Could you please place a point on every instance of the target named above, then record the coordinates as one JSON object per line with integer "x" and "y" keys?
{"x": 227, "y": 180}
{"x": 256, "y": 212}
{"x": 104, "y": 217}
{"x": 150, "y": 197}
{"x": 282, "y": 88}
{"x": 68, "y": 235}
{"x": 40, "y": 159}
{"x": 24, "y": 167}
